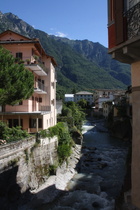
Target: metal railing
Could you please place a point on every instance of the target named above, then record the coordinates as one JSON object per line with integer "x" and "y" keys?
{"x": 32, "y": 61}
{"x": 45, "y": 108}
{"x": 133, "y": 21}
{"x": 41, "y": 86}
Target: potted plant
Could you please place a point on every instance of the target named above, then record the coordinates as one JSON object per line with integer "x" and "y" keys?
{"x": 36, "y": 58}
{"x": 28, "y": 61}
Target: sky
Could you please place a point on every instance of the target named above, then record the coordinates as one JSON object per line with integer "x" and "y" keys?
{"x": 73, "y": 19}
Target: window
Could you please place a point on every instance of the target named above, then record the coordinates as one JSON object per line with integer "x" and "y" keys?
{"x": 32, "y": 123}
{"x": 52, "y": 101}
{"x": 15, "y": 122}
{"x": 19, "y": 103}
{"x": 40, "y": 100}
{"x": 40, "y": 123}
{"x": 19, "y": 55}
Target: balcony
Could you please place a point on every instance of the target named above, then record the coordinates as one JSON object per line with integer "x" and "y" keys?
{"x": 45, "y": 108}
{"x": 40, "y": 88}
{"x": 133, "y": 21}
{"x": 36, "y": 65}
{"x": 128, "y": 51}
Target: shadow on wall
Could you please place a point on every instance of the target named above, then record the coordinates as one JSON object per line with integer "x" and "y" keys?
{"x": 12, "y": 199}
{"x": 9, "y": 190}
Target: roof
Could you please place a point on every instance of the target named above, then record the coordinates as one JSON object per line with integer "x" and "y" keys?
{"x": 26, "y": 40}
{"x": 69, "y": 95}
{"x": 84, "y": 93}
{"x": 10, "y": 31}
{"x": 111, "y": 90}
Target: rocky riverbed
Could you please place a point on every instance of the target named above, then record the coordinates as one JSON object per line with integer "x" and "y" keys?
{"x": 101, "y": 172}
{"x": 92, "y": 178}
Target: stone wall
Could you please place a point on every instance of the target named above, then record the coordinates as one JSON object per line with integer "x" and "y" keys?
{"x": 25, "y": 165}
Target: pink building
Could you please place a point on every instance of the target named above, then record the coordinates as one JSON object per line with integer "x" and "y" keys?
{"x": 39, "y": 111}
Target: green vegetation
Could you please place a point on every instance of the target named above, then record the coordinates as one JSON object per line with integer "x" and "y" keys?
{"x": 16, "y": 82}
{"x": 52, "y": 169}
{"x": 26, "y": 155}
{"x": 83, "y": 104}
{"x": 13, "y": 162}
{"x": 64, "y": 139}
{"x": 84, "y": 65}
{"x": 70, "y": 122}
{"x": 12, "y": 134}
{"x": 73, "y": 114}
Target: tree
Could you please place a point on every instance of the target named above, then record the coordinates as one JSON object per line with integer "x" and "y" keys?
{"x": 16, "y": 82}
{"x": 83, "y": 103}
{"x": 71, "y": 109}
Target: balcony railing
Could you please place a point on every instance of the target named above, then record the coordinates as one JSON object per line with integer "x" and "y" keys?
{"x": 31, "y": 61}
{"x": 133, "y": 21}
{"x": 44, "y": 108}
{"x": 41, "y": 86}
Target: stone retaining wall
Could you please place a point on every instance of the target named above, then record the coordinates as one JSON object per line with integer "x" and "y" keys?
{"x": 24, "y": 173}
{"x": 25, "y": 164}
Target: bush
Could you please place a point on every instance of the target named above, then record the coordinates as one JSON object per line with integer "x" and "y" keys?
{"x": 65, "y": 141}
{"x": 12, "y": 134}
{"x": 64, "y": 151}
{"x": 73, "y": 114}
{"x": 52, "y": 169}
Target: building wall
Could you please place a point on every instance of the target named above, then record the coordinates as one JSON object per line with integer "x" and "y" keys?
{"x": 9, "y": 37}
{"x": 106, "y": 109}
{"x": 69, "y": 97}
{"x": 136, "y": 133}
{"x": 87, "y": 97}
{"x": 128, "y": 52}
{"x": 111, "y": 31}
{"x": 45, "y": 103}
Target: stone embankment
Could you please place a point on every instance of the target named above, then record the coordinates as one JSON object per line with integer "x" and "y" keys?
{"x": 25, "y": 172}
{"x": 56, "y": 184}
{"x": 24, "y": 166}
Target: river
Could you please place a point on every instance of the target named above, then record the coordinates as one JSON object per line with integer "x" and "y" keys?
{"x": 102, "y": 168}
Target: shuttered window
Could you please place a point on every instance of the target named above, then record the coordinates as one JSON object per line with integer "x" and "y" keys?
{"x": 110, "y": 11}
{"x": 119, "y": 21}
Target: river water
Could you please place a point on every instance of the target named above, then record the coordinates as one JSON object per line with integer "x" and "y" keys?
{"x": 101, "y": 173}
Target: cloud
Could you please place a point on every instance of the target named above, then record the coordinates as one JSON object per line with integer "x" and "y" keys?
{"x": 52, "y": 29}
{"x": 60, "y": 34}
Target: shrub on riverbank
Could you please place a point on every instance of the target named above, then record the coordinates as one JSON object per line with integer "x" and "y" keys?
{"x": 65, "y": 141}
{"x": 73, "y": 114}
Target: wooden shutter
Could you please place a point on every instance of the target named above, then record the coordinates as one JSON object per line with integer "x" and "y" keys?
{"x": 119, "y": 21}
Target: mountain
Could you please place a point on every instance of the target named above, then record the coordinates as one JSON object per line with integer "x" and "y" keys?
{"x": 82, "y": 64}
